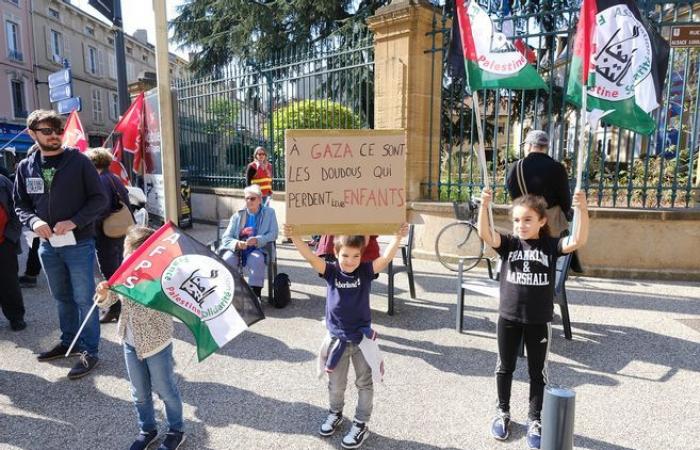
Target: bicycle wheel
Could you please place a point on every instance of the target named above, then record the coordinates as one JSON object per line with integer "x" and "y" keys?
{"x": 459, "y": 240}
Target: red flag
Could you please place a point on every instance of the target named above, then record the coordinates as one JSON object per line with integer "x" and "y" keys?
{"x": 131, "y": 126}
{"x": 583, "y": 42}
{"x": 116, "y": 166}
{"x": 73, "y": 134}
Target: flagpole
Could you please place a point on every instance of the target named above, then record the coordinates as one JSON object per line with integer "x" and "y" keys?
{"x": 482, "y": 151}
{"x": 13, "y": 139}
{"x": 80, "y": 330}
{"x": 582, "y": 152}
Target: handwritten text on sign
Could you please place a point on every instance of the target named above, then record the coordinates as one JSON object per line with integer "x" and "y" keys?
{"x": 345, "y": 177}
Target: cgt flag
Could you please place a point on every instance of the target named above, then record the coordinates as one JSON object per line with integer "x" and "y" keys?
{"x": 173, "y": 273}
{"x": 490, "y": 59}
{"x": 622, "y": 60}
{"x": 74, "y": 134}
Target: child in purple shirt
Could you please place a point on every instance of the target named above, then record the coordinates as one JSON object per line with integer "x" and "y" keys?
{"x": 349, "y": 321}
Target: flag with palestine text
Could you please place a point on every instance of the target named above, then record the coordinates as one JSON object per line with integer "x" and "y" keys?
{"x": 173, "y": 273}
{"x": 489, "y": 57}
{"x": 623, "y": 62}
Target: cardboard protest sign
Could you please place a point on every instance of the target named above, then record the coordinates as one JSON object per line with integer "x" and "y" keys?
{"x": 345, "y": 181}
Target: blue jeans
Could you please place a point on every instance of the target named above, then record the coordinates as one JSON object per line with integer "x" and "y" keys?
{"x": 69, "y": 271}
{"x": 154, "y": 373}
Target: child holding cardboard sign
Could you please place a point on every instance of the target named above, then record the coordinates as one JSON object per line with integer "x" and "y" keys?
{"x": 348, "y": 320}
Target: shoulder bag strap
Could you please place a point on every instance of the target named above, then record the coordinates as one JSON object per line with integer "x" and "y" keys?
{"x": 521, "y": 177}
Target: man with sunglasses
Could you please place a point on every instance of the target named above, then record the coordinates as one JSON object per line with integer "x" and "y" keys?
{"x": 58, "y": 195}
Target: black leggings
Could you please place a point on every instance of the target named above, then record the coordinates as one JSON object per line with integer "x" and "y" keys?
{"x": 537, "y": 338}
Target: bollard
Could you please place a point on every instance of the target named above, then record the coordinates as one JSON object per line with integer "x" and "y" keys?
{"x": 558, "y": 418}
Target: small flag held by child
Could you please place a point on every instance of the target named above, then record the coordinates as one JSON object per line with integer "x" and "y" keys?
{"x": 173, "y": 273}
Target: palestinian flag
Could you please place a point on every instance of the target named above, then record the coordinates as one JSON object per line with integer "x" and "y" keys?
{"x": 489, "y": 57}
{"x": 173, "y": 273}
{"x": 622, "y": 60}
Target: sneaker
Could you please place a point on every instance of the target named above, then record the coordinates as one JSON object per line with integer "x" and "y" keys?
{"x": 59, "y": 351}
{"x": 500, "y": 425}
{"x": 356, "y": 436}
{"x": 83, "y": 367}
{"x": 27, "y": 281}
{"x": 331, "y": 424}
{"x": 18, "y": 325}
{"x": 144, "y": 439}
{"x": 534, "y": 434}
{"x": 173, "y": 440}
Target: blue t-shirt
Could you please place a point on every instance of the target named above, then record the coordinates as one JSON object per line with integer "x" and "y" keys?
{"x": 347, "y": 300}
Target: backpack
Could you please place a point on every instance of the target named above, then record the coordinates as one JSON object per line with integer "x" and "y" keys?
{"x": 280, "y": 288}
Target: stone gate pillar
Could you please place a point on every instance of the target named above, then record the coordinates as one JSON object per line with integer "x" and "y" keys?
{"x": 407, "y": 86}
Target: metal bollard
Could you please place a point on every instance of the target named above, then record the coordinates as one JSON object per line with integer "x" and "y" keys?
{"x": 558, "y": 418}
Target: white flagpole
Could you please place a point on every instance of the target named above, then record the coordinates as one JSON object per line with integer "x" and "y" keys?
{"x": 582, "y": 152}
{"x": 482, "y": 152}
{"x": 80, "y": 330}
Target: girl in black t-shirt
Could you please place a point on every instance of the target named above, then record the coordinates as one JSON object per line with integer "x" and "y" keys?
{"x": 526, "y": 304}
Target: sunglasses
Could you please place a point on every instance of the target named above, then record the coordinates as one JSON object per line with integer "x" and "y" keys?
{"x": 49, "y": 131}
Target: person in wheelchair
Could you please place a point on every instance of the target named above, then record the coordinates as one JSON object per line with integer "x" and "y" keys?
{"x": 246, "y": 237}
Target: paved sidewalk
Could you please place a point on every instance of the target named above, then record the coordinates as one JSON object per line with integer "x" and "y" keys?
{"x": 634, "y": 363}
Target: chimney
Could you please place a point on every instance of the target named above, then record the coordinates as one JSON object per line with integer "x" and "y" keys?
{"x": 141, "y": 35}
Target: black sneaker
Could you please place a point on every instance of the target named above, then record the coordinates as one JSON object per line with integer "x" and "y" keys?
{"x": 173, "y": 440}
{"x": 534, "y": 435}
{"x": 500, "y": 425}
{"x": 331, "y": 424}
{"x": 59, "y": 351}
{"x": 27, "y": 281}
{"x": 18, "y": 325}
{"x": 84, "y": 366}
{"x": 356, "y": 436}
{"x": 144, "y": 439}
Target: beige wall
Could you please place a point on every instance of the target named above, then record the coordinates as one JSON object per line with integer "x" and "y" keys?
{"x": 97, "y": 90}
{"x": 13, "y": 68}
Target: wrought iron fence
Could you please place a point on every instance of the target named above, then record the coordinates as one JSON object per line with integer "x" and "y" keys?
{"x": 224, "y": 117}
{"x": 623, "y": 169}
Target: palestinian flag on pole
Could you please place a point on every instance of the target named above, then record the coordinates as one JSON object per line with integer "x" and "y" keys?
{"x": 490, "y": 58}
{"x": 173, "y": 273}
{"x": 622, "y": 60}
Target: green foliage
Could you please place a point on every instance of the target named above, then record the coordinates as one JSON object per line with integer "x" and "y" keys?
{"x": 310, "y": 114}
{"x": 224, "y": 31}
{"x": 223, "y": 114}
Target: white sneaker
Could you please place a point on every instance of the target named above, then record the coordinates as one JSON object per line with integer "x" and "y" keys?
{"x": 356, "y": 436}
{"x": 331, "y": 424}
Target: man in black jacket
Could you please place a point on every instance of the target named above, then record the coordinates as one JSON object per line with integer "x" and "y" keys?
{"x": 58, "y": 195}
{"x": 10, "y": 231}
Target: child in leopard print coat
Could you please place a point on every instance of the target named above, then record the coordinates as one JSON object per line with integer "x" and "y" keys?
{"x": 146, "y": 335}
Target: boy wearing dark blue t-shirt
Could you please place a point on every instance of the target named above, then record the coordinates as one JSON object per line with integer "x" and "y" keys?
{"x": 349, "y": 321}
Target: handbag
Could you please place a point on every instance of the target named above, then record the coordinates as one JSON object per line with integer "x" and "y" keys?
{"x": 118, "y": 222}
{"x": 556, "y": 219}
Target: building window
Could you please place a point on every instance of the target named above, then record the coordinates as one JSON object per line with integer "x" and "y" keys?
{"x": 144, "y": 58}
{"x": 90, "y": 31}
{"x": 110, "y": 41}
{"x": 20, "y": 107}
{"x": 113, "y": 106}
{"x": 54, "y": 13}
{"x": 56, "y": 45}
{"x": 12, "y": 33}
{"x": 113, "y": 66}
{"x": 130, "y": 72}
{"x": 96, "y": 106}
{"x": 129, "y": 50}
{"x": 92, "y": 60}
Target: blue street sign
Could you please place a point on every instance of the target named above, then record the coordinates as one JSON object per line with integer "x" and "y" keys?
{"x": 69, "y": 105}
{"x": 59, "y": 93}
{"x": 59, "y": 78}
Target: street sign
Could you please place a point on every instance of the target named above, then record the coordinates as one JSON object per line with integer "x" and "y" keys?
{"x": 59, "y": 93}
{"x": 685, "y": 36}
{"x": 104, "y": 7}
{"x": 68, "y": 105}
{"x": 59, "y": 78}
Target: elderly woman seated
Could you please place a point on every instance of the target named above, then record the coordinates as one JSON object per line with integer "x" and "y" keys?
{"x": 247, "y": 235}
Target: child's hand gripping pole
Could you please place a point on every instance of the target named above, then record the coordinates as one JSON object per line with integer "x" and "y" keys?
{"x": 485, "y": 222}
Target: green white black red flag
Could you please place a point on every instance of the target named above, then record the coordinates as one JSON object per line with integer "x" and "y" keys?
{"x": 174, "y": 273}
{"x": 622, "y": 60}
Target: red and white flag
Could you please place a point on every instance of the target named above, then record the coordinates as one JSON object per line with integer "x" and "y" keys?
{"x": 131, "y": 126}
{"x": 116, "y": 166}
{"x": 74, "y": 134}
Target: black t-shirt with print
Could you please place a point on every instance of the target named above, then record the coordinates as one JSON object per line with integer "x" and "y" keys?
{"x": 49, "y": 164}
{"x": 527, "y": 278}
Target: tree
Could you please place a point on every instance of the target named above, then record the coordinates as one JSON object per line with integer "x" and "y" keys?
{"x": 258, "y": 30}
